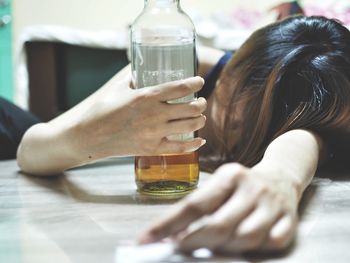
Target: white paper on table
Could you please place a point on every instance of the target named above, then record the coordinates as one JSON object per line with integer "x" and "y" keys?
{"x": 132, "y": 253}
{"x": 165, "y": 252}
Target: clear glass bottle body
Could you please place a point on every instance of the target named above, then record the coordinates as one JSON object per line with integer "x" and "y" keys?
{"x": 163, "y": 49}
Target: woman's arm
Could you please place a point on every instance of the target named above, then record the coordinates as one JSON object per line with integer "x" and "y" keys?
{"x": 115, "y": 121}
{"x": 242, "y": 209}
{"x": 296, "y": 155}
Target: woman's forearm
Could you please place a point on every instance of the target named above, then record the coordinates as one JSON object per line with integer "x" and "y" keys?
{"x": 294, "y": 155}
{"x": 46, "y": 150}
{"x": 50, "y": 148}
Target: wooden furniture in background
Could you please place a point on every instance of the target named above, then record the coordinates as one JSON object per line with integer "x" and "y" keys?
{"x": 61, "y": 75}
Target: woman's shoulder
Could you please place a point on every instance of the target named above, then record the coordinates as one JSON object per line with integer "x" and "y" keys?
{"x": 213, "y": 74}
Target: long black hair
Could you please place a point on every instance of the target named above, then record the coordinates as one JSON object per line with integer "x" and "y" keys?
{"x": 293, "y": 74}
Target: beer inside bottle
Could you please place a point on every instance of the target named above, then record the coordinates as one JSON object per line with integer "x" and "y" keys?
{"x": 167, "y": 174}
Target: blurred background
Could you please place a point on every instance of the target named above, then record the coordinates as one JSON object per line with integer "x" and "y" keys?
{"x": 55, "y": 52}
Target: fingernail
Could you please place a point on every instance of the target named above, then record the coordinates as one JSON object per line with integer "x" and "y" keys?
{"x": 198, "y": 77}
{"x": 196, "y": 148}
{"x": 201, "y": 99}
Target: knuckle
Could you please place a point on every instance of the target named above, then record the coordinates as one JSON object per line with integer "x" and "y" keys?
{"x": 252, "y": 243}
{"x": 233, "y": 167}
{"x": 149, "y": 145}
{"x": 181, "y": 148}
{"x": 147, "y": 148}
{"x": 232, "y": 172}
{"x": 184, "y": 87}
{"x": 280, "y": 243}
{"x": 248, "y": 241}
{"x": 195, "y": 109}
{"x": 225, "y": 168}
{"x": 219, "y": 229}
{"x": 239, "y": 169}
{"x": 261, "y": 189}
{"x": 193, "y": 208}
{"x": 141, "y": 95}
{"x": 192, "y": 126}
{"x": 157, "y": 231}
{"x": 146, "y": 93}
{"x": 149, "y": 132}
{"x": 197, "y": 124}
{"x": 280, "y": 200}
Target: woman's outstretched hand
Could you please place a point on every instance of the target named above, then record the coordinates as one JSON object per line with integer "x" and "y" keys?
{"x": 237, "y": 210}
{"x": 246, "y": 209}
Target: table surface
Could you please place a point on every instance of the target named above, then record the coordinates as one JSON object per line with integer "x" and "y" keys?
{"x": 82, "y": 215}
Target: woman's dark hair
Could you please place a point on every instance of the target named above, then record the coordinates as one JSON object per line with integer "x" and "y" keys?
{"x": 288, "y": 75}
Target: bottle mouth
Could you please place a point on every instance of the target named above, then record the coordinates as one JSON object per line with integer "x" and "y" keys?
{"x": 161, "y": 3}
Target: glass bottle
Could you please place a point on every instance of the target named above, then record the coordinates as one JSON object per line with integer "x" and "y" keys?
{"x": 163, "y": 49}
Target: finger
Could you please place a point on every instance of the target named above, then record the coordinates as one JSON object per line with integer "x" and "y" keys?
{"x": 203, "y": 201}
{"x": 177, "y": 89}
{"x": 186, "y": 110}
{"x": 168, "y": 146}
{"x": 185, "y": 125}
{"x": 281, "y": 234}
{"x": 253, "y": 230}
{"x": 216, "y": 232}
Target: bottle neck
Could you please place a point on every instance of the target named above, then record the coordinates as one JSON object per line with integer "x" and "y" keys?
{"x": 162, "y": 3}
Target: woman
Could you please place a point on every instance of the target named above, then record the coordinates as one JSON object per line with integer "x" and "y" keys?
{"x": 280, "y": 108}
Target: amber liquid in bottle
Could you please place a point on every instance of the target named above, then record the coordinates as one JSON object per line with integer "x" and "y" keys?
{"x": 167, "y": 174}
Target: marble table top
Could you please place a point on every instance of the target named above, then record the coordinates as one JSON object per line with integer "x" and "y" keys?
{"x": 83, "y": 215}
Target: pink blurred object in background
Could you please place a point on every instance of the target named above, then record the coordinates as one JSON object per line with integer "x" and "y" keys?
{"x": 246, "y": 18}
{"x": 338, "y": 9}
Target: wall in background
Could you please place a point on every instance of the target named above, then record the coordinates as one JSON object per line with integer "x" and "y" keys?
{"x": 105, "y": 14}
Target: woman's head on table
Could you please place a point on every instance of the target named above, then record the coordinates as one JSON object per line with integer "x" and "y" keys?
{"x": 288, "y": 75}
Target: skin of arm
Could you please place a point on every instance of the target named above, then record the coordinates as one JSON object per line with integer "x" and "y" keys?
{"x": 115, "y": 121}
{"x": 246, "y": 209}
